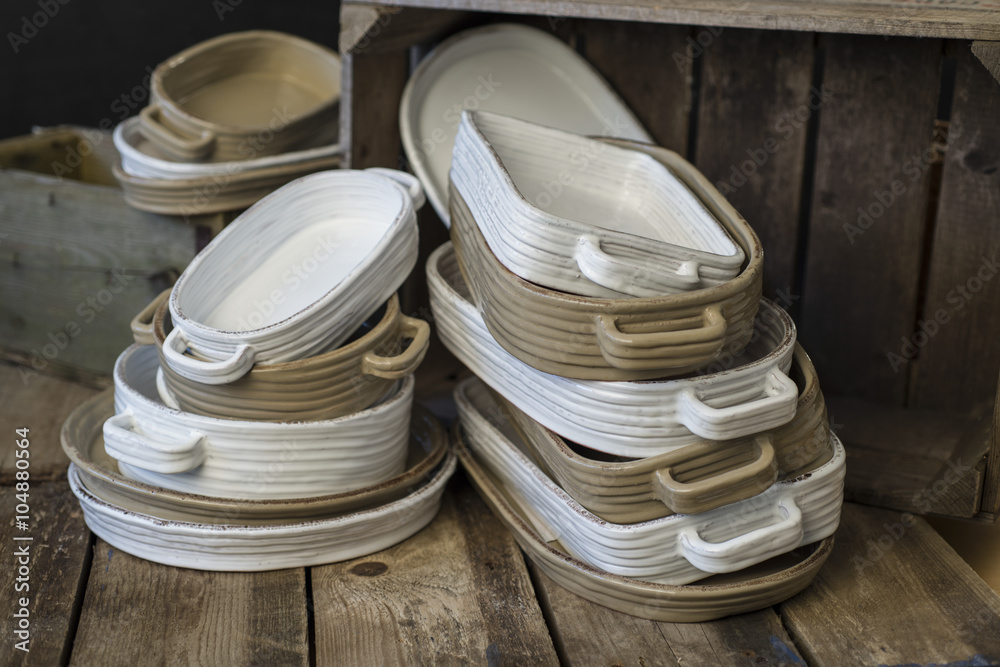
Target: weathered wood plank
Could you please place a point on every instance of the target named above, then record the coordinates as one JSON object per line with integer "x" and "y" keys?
{"x": 893, "y": 592}
{"x": 57, "y": 570}
{"x": 369, "y": 29}
{"x": 369, "y": 118}
{"x": 457, "y": 592}
{"x": 624, "y": 54}
{"x": 139, "y": 613}
{"x": 589, "y": 634}
{"x": 976, "y": 19}
{"x": 41, "y": 403}
{"x": 860, "y": 285}
{"x": 752, "y": 136}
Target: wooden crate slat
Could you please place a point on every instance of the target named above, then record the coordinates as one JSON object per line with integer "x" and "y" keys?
{"x": 138, "y": 613}
{"x": 893, "y": 592}
{"x": 752, "y": 136}
{"x": 860, "y": 284}
{"x": 371, "y": 89}
{"x": 456, "y": 592}
{"x": 58, "y": 553}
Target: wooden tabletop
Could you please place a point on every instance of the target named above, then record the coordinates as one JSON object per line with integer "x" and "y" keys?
{"x": 458, "y": 592}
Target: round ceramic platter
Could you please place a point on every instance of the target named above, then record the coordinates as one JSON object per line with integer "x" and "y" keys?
{"x": 718, "y": 596}
{"x": 83, "y": 441}
{"x": 677, "y": 549}
{"x": 509, "y": 69}
{"x": 751, "y": 393}
{"x": 245, "y": 548}
{"x": 583, "y": 216}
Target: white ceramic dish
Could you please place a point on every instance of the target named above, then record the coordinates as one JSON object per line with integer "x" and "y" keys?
{"x": 510, "y": 69}
{"x": 584, "y": 216}
{"x": 677, "y": 549}
{"x": 193, "y": 453}
{"x": 294, "y": 275}
{"x": 253, "y": 548}
{"x": 749, "y": 395}
{"x": 142, "y": 159}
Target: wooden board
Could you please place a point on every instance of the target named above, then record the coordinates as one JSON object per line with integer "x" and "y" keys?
{"x": 58, "y": 558}
{"x": 138, "y": 613}
{"x": 860, "y": 285}
{"x": 975, "y": 19}
{"x": 369, "y": 119}
{"x": 752, "y": 137}
{"x": 892, "y": 593}
{"x": 457, "y": 593}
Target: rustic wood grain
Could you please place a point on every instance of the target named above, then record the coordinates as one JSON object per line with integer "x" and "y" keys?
{"x": 457, "y": 592}
{"x": 141, "y": 613}
{"x": 368, "y": 29}
{"x": 860, "y": 285}
{"x": 752, "y": 139}
{"x": 977, "y": 19}
{"x": 371, "y": 89}
{"x": 892, "y": 593}
{"x": 41, "y": 403}
{"x": 58, "y": 559}
{"x": 589, "y": 634}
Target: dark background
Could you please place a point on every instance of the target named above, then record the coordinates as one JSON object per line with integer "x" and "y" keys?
{"x": 76, "y": 67}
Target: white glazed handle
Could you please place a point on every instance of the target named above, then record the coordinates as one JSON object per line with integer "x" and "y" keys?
{"x": 207, "y": 372}
{"x": 747, "y": 549}
{"x": 779, "y": 402}
{"x": 127, "y": 445}
{"x": 409, "y": 182}
{"x": 621, "y": 275}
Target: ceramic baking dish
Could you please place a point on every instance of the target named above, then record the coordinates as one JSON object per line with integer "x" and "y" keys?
{"x": 330, "y": 385}
{"x": 678, "y": 549}
{"x": 83, "y": 441}
{"x": 614, "y": 339}
{"x": 582, "y": 216}
{"x": 294, "y": 275}
{"x": 252, "y": 548}
{"x": 177, "y": 450}
{"x": 757, "y": 587}
{"x": 243, "y": 94}
{"x": 737, "y": 396}
{"x": 506, "y": 68}
{"x": 695, "y": 478}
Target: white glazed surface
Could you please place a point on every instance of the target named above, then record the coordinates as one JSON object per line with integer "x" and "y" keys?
{"x": 237, "y": 548}
{"x": 634, "y": 419}
{"x": 677, "y": 549}
{"x": 586, "y": 217}
{"x": 240, "y": 459}
{"x": 295, "y": 274}
{"x": 508, "y": 69}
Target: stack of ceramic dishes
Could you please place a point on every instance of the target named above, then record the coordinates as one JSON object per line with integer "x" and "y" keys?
{"x": 264, "y": 417}
{"x": 643, "y": 421}
{"x": 230, "y": 120}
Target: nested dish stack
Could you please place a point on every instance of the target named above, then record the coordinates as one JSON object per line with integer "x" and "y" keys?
{"x": 264, "y": 418}
{"x": 642, "y": 419}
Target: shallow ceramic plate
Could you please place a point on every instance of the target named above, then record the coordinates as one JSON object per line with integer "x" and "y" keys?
{"x": 510, "y": 69}
{"x": 757, "y": 587}
{"x": 83, "y": 441}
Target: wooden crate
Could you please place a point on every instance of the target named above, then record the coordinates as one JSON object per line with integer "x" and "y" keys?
{"x": 861, "y": 141}
{"x": 76, "y": 262}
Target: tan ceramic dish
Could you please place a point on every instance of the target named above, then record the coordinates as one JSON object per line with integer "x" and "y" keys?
{"x": 345, "y": 380}
{"x": 83, "y": 442}
{"x": 614, "y": 339}
{"x": 242, "y": 95}
{"x": 695, "y": 478}
{"x": 756, "y": 588}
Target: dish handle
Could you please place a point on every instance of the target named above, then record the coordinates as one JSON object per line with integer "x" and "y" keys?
{"x": 233, "y": 368}
{"x": 142, "y": 324}
{"x": 635, "y": 279}
{"x": 748, "y": 549}
{"x": 407, "y": 361}
{"x": 684, "y": 341}
{"x": 707, "y": 494}
{"x": 775, "y": 408}
{"x": 175, "y": 145}
{"x": 409, "y": 183}
{"x": 126, "y": 444}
